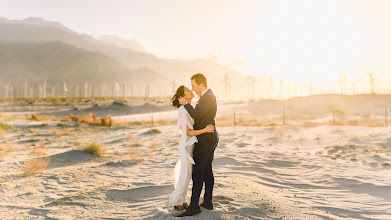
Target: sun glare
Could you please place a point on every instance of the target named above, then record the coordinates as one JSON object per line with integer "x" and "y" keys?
{"x": 298, "y": 41}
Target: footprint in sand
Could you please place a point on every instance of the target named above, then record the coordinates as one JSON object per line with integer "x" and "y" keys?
{"x": 224, "y": 203}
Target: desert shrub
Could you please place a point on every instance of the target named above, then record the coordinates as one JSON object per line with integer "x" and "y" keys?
{"x": 105, "y": 121}
{"x": 94, "y": 148}
{"x": 155, "y": 145}
{"x": 34, "y": 117}
{"x": 88, "y": 119}
{"x": 67, "y": 119}
{"x": 35, "y": 166}
{"x": 4, "y": 126}
{"x": 135, "y": 154}
{"x": 75, "y": 118}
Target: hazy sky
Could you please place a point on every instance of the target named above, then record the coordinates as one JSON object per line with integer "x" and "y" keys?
{"x": 295, "y": 40}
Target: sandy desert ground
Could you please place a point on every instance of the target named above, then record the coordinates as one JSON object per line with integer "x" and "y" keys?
{"x": 276, "y": 171}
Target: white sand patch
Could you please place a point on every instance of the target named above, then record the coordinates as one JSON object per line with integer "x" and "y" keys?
{"x": 281, "y": 172}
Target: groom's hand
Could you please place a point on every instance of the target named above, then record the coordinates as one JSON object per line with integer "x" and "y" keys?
{"x": 182, "y": 101}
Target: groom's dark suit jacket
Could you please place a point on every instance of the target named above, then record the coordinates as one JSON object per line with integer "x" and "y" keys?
{"x": 203, "y": 114}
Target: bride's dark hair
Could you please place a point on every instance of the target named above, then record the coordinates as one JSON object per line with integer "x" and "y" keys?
{"x": 180, "y": 92}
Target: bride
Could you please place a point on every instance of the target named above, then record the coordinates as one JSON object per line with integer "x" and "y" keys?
{"x": 184, "y": 166}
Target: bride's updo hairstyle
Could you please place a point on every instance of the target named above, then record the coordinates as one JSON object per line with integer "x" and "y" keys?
{"x": 180, "y": 92}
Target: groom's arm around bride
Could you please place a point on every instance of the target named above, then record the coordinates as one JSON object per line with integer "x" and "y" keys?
{"x": 205, "y": 110}
{"x": 203, "y": 114}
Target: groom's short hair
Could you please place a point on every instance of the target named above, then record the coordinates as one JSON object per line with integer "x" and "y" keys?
{"x": 200, "y": 79}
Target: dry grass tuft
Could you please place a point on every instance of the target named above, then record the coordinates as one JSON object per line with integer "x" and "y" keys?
{"x": 60, "y": 132}
{"x": 94, "y": 148}
{"x": 92, "y": 120}
{"x": 135, "y": 154}
{"x": 4, "y": 126}
{"x": 4, "y": 150}
{"x": 40, "y": 152}
{"x": 88, "y": 119}
{"x": 35, "y": 166}
{"x": 34, "y": 117}
{"x": 105, "y": 121}
{"x": 155, "y": 145}
{"x": 49, "y": 118}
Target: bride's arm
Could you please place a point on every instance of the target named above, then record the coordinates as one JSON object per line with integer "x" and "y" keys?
{"x": 207, "y": 129}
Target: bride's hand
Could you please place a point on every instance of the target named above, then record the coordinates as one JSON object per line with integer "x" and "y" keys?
{"x": 210, "y": 128}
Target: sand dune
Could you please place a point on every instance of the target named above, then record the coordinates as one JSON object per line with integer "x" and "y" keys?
{"x": 283, "y": 172}
{"x": 262, "y": 172}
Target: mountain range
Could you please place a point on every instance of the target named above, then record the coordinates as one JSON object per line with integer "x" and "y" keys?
{"x": 34, "y": 50}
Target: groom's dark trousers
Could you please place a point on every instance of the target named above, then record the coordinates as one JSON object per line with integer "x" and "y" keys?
{"x": 203, "y": 114}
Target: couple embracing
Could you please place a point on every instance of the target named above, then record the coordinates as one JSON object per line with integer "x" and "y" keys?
{"x": 196, "y": 147}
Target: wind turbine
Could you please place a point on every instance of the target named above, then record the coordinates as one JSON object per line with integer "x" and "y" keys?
{"x": 252, "y": 85}
{"x": 342, "y": 82}
{"x": 227, "y": 85}
{"x": 372, "y": 81}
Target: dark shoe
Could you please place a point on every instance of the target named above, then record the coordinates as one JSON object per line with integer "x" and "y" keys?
{"x": 190, "y": 212}
{"x": 207, "y": 206}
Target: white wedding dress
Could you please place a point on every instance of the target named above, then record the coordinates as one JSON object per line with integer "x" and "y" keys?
{"x": 184, "y": 167}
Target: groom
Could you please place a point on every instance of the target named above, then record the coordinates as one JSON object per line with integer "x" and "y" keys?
{"x": 203, "y": 114}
